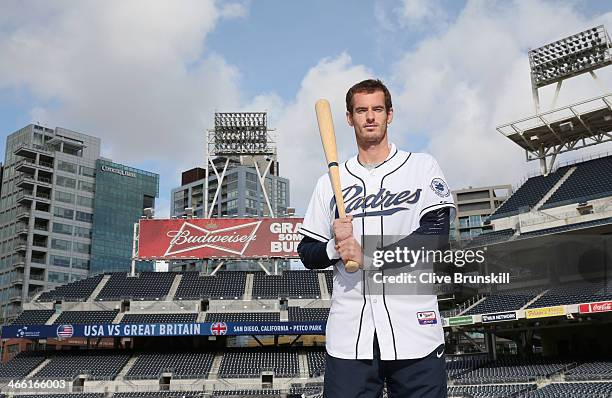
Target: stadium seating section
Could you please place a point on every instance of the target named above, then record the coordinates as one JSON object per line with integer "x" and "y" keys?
{"x": 294, "y": 284}
{"x": 590, "y": 371}
{"x": 144, "y": 286}
{"x": 33, "y": 317}
{"x": 528, "y": 194}
{"x": 299, "y": 314}
{"x": 563, "y": 228}
{"x": 158, "y": 394}
{"x": 316, "y": 362}
{"x": 223, "y": 285}
{"x": 21, "y": 365}
{"x": 469, "y": 375}
{"x": 160, "y": 318}
{"x": 86, "y": 317}
{"x": 182, "y": 365}
{"x": 587, "y": 182}
{"x": 76, "y": 291}
{"x": 500, "y": 390}
{"x": 250, "y": 363}
{"x": 243, "y": 317}
{"x": 82, "y": 395}
{"x": 512, "y": 370}
{"x": 99, "y": 365}
{"x": 504, "y": 301}
{"x": 246, "y": 393}
{"x": 574, "y": 293}
{"x": 488, "y": 238}
{"x": 456, "y": 366}
{"x": 573, "y": 390}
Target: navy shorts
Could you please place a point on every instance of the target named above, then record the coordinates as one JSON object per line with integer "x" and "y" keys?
{"x": 406, "y": 378}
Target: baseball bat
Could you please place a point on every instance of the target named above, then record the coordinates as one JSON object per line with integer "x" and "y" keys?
{"x": 328, "y": 139}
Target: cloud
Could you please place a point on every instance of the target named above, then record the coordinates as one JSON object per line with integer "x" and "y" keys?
{"x": 458, "y": 86}
{"x": 420, "y": 13}
{"x": 137, "y": 74}
{"x": 301, "y": 155}
{"x": 234, "y": 10}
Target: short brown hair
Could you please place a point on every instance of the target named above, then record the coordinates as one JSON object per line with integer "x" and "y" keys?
{"x": 368, "y": 86}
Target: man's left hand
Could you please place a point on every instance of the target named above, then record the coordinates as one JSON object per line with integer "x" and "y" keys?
{"x": 349, "y": 249}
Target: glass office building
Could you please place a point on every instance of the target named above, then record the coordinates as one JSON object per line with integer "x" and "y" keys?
{"x": 50, "y": 181}
{"x": 122, "y": 192}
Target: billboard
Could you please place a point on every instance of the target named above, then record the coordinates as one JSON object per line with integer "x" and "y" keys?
{"x": 545, "y": 312}
{"x": 204, "y": 238}
{"x": 499, "y": 317}
{"x": 163, "y": 329}
{"x": 461, "y": 320}
{"x": 602, "y": 306}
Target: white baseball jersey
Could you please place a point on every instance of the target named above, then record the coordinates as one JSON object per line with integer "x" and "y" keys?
{"x": 387, "y": 200}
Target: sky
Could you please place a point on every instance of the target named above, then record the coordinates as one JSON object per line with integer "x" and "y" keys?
{"x": 147, "y": 76}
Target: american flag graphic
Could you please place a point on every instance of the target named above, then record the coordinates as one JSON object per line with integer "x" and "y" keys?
{"x": 65, "y": 331}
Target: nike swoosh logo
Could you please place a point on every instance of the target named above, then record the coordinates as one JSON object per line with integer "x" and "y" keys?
{"x": 439, "y": 354}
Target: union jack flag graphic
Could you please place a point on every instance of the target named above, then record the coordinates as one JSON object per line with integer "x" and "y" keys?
{"x": 218, "y": 328}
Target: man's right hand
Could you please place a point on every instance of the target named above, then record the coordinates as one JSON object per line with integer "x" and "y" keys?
{"x": 343, "y": 228}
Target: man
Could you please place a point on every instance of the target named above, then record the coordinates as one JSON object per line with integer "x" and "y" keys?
{"x": 378, "y": 338}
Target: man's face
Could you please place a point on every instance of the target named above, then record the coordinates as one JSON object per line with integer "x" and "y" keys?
{"x": 370, "y": 117}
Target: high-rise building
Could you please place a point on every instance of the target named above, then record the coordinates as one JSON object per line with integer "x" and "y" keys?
{"x": 474, "y": 205}
{"x": 240, "y": 196}
{"x": 122, "y": 192}
{"x": 47, "y": 206}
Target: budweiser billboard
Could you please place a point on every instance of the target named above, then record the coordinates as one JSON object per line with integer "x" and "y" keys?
{"x": 602, "y": 306}
{"x": 203, "y": 238}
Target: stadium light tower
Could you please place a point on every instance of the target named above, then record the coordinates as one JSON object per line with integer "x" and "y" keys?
{"x": 239, "y": 134}
{"x": 586, "y": 123}
{"x": 572, "y": 56}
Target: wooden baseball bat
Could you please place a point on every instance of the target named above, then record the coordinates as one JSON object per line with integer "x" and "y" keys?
{"x": 328, "y": 139}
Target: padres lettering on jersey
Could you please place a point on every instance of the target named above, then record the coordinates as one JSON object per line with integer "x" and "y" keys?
{"x": 387, "y": 200}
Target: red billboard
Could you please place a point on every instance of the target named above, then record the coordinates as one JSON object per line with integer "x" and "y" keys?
{"x": 602, "y": 306}
{"x": 203, "y": 238}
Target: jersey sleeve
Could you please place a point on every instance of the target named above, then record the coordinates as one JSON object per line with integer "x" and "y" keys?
{"x": 436, "y": 193}
{"x": 317, "y": 220}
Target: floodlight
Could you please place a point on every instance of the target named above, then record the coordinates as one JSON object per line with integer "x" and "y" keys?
{"x": 580, "y": 53}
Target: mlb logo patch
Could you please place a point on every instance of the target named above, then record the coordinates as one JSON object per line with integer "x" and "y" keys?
{"x": 427, "y": 318}
{"x": 439, "y": 186}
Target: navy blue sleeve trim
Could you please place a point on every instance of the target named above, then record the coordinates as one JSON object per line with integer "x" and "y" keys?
{"x": 313, "y": 254}
{"x": 432, "y": 234}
